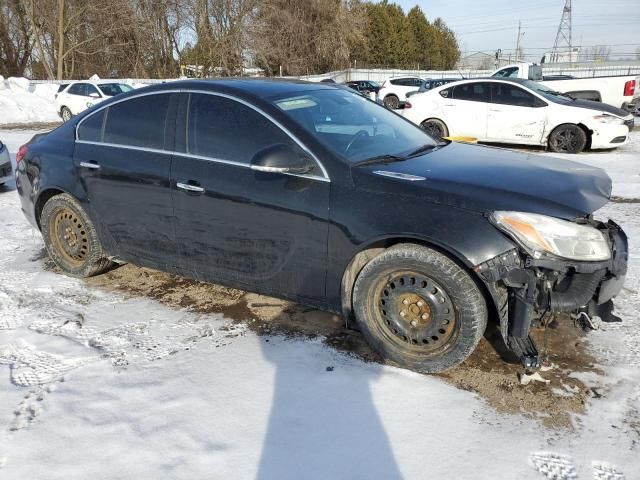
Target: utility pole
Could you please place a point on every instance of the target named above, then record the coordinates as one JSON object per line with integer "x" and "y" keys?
{"x": 563, "y": 37}
{"x": 520, "y": 35}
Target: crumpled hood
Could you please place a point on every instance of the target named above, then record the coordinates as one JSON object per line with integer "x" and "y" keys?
{"x": 485, "y": 179}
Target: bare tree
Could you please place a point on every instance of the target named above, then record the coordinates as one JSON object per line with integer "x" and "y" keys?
{"x": 16, "y": 39}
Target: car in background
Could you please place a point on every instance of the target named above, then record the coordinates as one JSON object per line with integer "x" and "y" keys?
{"x": 364, "y": 86}
{"x": 393, "y": 91}
{"x": 430, "y": 84}
{"x": 76, "y": 97}
{"x": 5, "y": 164}
{"x": 616, "y": 90}
{"x": 521, "y": 112}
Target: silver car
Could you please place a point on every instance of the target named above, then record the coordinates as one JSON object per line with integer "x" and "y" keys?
{"x": 5, "y": 164}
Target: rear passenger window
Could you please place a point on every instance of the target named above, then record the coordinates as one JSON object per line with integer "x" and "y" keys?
{"x": 139, "y": 122}
{"x": 228, "y": 130}
{"x": 76, "y": 89}
{"x": 474, "y": 92}
{"x": 90, "y": 130}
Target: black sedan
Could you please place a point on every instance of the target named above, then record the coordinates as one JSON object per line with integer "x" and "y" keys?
{"x": 313, "y": 193}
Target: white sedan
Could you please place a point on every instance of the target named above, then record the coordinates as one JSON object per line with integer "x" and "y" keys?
{"x": 521, "y": 112}
{"x": 76, "y": 97}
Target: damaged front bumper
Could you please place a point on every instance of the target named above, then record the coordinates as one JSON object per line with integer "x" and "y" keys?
{"x": 525, "y": 289}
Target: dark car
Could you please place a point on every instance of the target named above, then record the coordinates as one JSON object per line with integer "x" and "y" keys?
{"x": 5, "y": 164}
{"x": 364, "y": 86}
{"x": 313, "y": 193}
{"x": 431, "y": 83}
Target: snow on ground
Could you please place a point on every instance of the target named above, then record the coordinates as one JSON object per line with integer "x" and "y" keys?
{"x": 94, "y": 384}
{"x": 21, "y": 103}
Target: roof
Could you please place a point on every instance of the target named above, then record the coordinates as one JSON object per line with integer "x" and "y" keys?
{"x": 253, "y": 87}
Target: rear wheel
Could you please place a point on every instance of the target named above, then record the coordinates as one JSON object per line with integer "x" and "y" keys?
{"x": 436, "y": 128}
{"x": 71, "y": 239}
{"x": 66, "y": 114}
{"x": 392, "y": 102}
{"x": 419, "y": 309}
{"x": 567, "y": 138}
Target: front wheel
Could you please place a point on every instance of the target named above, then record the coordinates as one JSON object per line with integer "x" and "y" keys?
{"x": 66, "y": 114}
{"x": 436, "y": 128}
{"x": 70, "y": 238}
{"x": 567, "y": 138}
{"x": 419, "y": 308}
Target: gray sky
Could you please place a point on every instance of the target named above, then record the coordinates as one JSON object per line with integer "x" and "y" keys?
{"x": 491, "y": 24}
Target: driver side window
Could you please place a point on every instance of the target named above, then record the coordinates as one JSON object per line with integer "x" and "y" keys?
{"x": 224, "y": 129}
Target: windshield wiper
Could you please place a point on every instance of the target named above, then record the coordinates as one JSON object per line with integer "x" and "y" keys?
{"x": 560, "y": 94}
{"x": 422, "y": 149}
{"x": 379, "y": 159}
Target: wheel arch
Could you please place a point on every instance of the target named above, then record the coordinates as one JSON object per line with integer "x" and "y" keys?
{"x": 43, "y": 197}
{"x": 374, "y": 247}
{"x": 588, "y": 132}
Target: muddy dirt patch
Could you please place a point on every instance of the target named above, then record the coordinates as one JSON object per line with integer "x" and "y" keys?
{"x": 491, "y": 372}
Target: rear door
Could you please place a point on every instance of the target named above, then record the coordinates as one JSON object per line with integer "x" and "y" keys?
{"x": 76, "y": 98}
{"x": 123, "y": 157}
{"x": 465, "y": 108}
{"x": 266, "y": 232}
{"x": 515, "y": 115}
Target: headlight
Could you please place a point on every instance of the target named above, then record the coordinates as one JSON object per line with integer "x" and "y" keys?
{"x": 539, "y": 235}
{"x": 606, "y": 118}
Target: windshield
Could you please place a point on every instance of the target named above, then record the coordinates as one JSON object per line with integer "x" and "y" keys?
{"x": 546, "y": 92}
{"x": 113, "y": 89}
{"x": 352, "y": 126}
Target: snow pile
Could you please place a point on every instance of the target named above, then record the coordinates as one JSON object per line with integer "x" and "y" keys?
{"x": 20, "y": 103}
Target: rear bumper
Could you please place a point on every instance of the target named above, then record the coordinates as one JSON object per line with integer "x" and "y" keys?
{"x": 27, "y": 195}
{"x": 609, "y": 136}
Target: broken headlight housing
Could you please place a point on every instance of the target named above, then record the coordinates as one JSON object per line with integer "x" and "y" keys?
{"x": 541, "y": 235}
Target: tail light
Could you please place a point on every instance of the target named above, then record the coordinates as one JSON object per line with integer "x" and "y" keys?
{"x": 22, "y": 151}
{"x": 407, "y": 105}
{"x": 629, "y": 88}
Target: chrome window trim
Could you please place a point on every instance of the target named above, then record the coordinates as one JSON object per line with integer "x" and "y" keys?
{"x": 324, "y": 177}
{"x": 195, "y": 157}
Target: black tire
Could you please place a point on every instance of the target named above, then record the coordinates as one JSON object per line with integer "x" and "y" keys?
{"x": 436, "y": 128}
{"x": 392, "y": 102}
{"x": 567, "y": 138}
{"x": 66, "y": 114}
{"x": 432, "y": 337}
{"x": 71, "y": 239}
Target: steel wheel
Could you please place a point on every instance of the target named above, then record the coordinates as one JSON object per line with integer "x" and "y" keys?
{"x": 71, "y": 239}
{"x": 418, "y": 308}
{"x": 69, "y": 236}
{"x": 567, "y": 139}
{"x": 417, "y": 311}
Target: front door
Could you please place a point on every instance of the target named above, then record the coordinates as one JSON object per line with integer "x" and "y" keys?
{"x": 123, "y": 157}
{"x": 265, "y": 232}
{"x": 515, "y": 115}
{"x": 465, "y": 108}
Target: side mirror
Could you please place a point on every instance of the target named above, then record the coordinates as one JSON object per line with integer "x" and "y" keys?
{"x": 281, "y": 158}
{"x": 94, "y": 95}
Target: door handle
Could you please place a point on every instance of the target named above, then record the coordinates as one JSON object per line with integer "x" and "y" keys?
{"x": 189, "y": 187}
{"x": 494, "y": 110}
{"x": 91, "y": 164}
